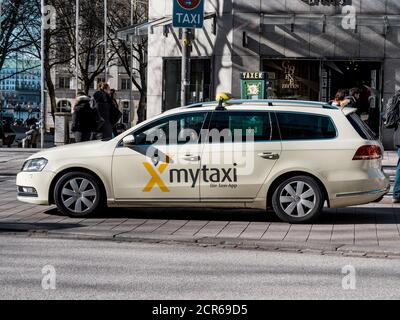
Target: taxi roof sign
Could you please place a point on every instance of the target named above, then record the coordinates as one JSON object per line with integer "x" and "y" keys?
{"x": 224, "y": 96}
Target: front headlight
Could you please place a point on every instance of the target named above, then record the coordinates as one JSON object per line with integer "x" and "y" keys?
{"x": 34, "y": 165}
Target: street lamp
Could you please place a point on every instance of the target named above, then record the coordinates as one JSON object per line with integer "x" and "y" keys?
{"x": 105, "y": 42}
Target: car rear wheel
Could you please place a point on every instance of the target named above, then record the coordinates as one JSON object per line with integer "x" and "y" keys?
{"x": 298, "y": 199}
{"x": 78, "y": 194}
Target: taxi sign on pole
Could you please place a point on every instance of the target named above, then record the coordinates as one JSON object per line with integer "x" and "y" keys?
{"x": 188, "y": 14}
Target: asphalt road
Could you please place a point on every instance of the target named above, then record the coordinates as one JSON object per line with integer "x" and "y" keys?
{"x": 109, "y": 270}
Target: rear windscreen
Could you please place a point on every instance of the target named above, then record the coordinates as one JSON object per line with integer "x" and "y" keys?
{"x": 361, "y": 127}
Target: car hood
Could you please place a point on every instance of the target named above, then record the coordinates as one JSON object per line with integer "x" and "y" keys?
{"x": 84, "y": 148}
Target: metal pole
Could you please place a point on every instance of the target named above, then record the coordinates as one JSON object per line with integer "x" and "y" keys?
{"x": 131, "y": 117}
{"x": 42, "y": 78}
{"x": 77, "y": 11}
{"x": 185, "y": 82}
{"x": 105, "y": 42}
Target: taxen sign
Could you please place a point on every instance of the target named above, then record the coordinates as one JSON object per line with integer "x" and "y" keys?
{"x": 188, "y": 14}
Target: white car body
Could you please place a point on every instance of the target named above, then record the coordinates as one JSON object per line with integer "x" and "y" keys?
{"x": 343, "y": 181}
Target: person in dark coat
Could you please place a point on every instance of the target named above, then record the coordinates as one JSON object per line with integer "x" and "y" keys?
{"x": 116, "y": 114}
{"x": 104, "y": 107}
{"x": 83, "y": 118}
{"x": 392, "y": 121}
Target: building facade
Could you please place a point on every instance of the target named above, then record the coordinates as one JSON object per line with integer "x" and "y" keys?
{"x": 309, "y": 49}
{"x": 20, "y": 88}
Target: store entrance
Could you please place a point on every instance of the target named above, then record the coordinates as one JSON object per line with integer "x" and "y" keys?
{"x": 363, "y": 75}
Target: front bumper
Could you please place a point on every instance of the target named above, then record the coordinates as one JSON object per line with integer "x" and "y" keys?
{"x": 40, "y": 181}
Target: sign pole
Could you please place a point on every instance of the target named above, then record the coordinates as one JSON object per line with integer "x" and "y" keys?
{"x": 185, "y": 83}
{"x": 42, "y": 76}
{"x": 105, "y": 43}
{"x": 187, "y": 15}
{"x": 77, "y": 40}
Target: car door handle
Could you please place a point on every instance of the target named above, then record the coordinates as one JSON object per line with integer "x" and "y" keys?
{"x": 269, "y": 155}
{"x": 192, "y": 158}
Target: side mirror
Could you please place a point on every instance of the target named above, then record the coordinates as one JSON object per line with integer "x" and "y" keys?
{"x": 128, "y": 141}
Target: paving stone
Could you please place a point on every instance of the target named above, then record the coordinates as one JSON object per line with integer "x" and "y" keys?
{"x": 129, "y": 225}
{"x": 149, "y": 226}
{"x": 343, "y": 234}
{"x": 212, "y": 229}
{"x": 255, "y": 230}
{"x": 233, "y": 229}
{"x": 321, "y": 233}
{"x": 276, "y": 231}
{"x": 298, "y": 233}
{"x": 171, "y": 226}
{"x": 191, "y": 228}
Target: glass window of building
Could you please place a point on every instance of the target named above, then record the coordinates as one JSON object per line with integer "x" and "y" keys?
{"x": 64, "y": 82}
{"x": 200, "y": 82}
{"x": 125, "y": 85}
{"x": 293, "y": 79}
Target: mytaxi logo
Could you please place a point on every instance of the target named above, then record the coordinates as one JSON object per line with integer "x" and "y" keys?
{"x": 155, "y": 172}
{"x": 216, "y": 177}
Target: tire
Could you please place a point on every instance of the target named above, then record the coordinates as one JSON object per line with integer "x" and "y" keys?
{"x": 298, "y": 207}
{"x": 78, "y": 195}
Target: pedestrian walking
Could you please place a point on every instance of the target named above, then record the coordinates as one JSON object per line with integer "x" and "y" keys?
{"x": 83, "y": 118}
{"x": 116, "y": 114}
{"x": 104, "y": 105}
{"x": 392, "y": 121}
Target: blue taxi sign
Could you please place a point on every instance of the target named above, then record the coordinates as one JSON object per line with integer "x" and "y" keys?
{"x": 188, "y": 14}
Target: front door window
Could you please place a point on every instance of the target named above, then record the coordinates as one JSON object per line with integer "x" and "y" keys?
{"x": 164, "y": 161}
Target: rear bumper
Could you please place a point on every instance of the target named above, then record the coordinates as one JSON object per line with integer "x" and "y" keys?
{"x": 359, "y": 197}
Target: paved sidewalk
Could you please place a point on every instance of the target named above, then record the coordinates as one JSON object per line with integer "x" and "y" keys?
{"x": 370, "y": 230}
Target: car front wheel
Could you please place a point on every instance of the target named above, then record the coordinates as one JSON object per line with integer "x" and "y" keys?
{"x": 298, "y": 199}
{"x": 78, "y": 194}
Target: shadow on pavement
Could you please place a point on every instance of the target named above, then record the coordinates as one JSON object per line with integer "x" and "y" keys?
{"x": 329, "y": 216}
{"x": 35, "y": 227}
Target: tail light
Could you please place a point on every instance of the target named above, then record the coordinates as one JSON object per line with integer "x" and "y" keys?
{"x": 369, "y": 152}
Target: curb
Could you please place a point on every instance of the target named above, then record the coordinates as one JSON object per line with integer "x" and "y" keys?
{"x": 20, "y": 150}
{"x": 314, "y": 248}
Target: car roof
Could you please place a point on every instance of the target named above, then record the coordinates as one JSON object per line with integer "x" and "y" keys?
{"x": 248, "y": 105}
{"x": 289, "y": 105}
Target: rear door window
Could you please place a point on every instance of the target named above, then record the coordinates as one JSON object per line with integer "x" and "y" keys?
{"x": 225, "y": 126}
{"x": 305, "y": 126}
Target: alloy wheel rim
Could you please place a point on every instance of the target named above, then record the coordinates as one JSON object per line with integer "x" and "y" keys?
{"x": 78, "y": 195}
{"x": 298, "y": 199}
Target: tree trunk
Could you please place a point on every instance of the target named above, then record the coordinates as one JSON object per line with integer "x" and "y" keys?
{"x": 86, "y": 86}
{"x": 51, "y": 92}
{"x": 142, "y": 110}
